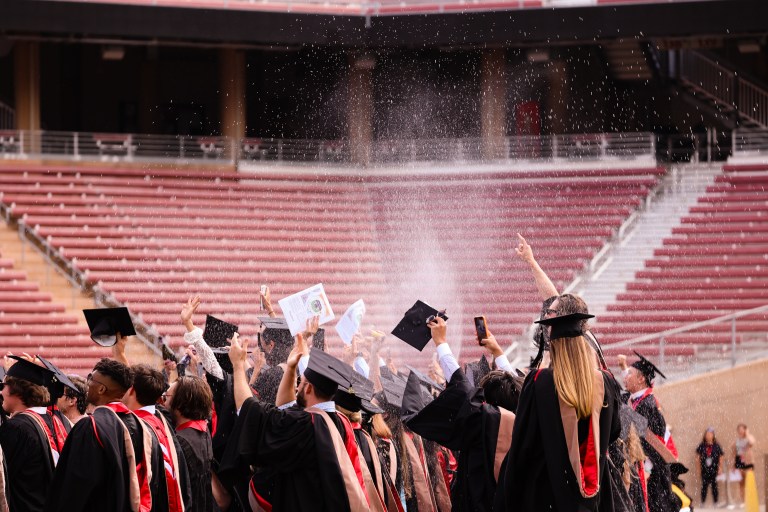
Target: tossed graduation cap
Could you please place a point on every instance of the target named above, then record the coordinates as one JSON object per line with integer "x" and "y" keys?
{"x": 31, "y": 372}
{"x": 60, "y": 379}
{"x": 425, "y": 379}
{"x": 566, "y": 326}
{"x": 358, "y": 396}
{"x": 105, "y": 323}
{"x": 476, "y": 370}
{"x": 647, "y": 368}
{"x": 217, "y": 331}
{"x": 413, "y": 328}
{"x": 327, "y": 373}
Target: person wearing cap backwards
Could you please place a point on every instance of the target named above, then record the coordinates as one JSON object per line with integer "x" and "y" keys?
{"x": 638, "y": 381}
{"x": 32, "y": 439}
{"x": 567, "y": 416}
{"x": 311, "y": 448}
{"x": 476, "y": 422}
{"x": 108, "y": 460}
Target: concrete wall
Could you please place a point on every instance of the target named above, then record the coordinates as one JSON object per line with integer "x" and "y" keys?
{"x": 722, "y": 400}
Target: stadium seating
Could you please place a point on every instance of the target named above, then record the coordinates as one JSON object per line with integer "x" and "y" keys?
{"x": 30, "y": 321}
{"x": 714, "y": 264}
{"x": 152, "y": 238}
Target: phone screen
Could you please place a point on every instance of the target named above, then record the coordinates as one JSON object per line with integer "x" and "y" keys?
{"x": 480, "y": 328}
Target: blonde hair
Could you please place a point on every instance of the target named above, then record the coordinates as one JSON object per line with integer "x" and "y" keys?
{"x": 573, "y": 368}
{"x": 380, "y": 427}
{"x": 354, "y": 417}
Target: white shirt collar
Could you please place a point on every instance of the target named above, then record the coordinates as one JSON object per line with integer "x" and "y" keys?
{"x": 329, "y": 406}
{"x": 39, "y": 410}
{"x": 149, "y": 408}
{"x": 638, "y": 394}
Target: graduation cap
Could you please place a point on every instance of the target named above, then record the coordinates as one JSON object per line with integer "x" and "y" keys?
{"x": 59, "y": 380}
{"x": 413, "y": 328}
{"x": 105, "y": 323}
{"x": 392, "y": 392}
{"x": 647, "y": 368}
{"x": 216, "y": 334}
{"x": 476, "y": 370}
{"x": 414, "y": 399}
{"x": 327, "y": 373}
{"x": 31, "y": 372}
{"x": 631, "y": 417}
{"x": 566, "y": 326}
{"x": 358, "y": 397}
{"x": 276, "y": 329}
{"x": 677, "y": 468}
{"x": 425, "y": 379}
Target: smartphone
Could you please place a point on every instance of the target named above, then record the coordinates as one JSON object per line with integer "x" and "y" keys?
{"x": 263, "y": 290}
{"x": 481, "y": 328}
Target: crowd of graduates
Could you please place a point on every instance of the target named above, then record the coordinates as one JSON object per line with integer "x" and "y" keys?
{"x": 278, "y": 423}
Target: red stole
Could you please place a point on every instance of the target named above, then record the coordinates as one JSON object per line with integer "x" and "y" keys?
{"x": 143, "y": 468}
{"x": 56, "y": 438}
{"x": 175, "y": 503}
{"x": 200, "y": 425}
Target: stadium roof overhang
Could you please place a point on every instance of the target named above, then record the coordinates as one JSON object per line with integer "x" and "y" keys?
{"x": 80, "y": 21}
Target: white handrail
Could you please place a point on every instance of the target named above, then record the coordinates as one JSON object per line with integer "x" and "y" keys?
{"x": 689, "y": 327}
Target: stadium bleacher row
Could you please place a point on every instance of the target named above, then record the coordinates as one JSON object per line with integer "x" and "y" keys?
{"x": 32, "y": 321}
{"x": 152, "y": 238}
{"x": 714, "y": 264}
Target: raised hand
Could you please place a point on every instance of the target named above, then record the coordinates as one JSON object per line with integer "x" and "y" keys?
{"x": 238, "y": 351}
{"x": 313, "y": 324}
{"x": 189, "y": 309}
{"x": 299, "y": 350}
{"x": 492, "y": 345}
{"x": 524, "y": 250}
{"x": 439, "y": 330}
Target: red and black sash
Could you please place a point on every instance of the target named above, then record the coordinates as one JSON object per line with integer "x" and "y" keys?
{"x": 170, "y": 459}
{"x": 56, "y": 437}
{"x": 144, "y": 467}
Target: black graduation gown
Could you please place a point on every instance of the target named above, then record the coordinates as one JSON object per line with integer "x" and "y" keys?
{"x": 183, "y": 477}
{"x": 92, "y": 474}
{"x": 28, "y": 461}
{"x": 198, "y": 456}
{"x": 460, "y": 420}
{"x": 660, "y": 480}
{"x": 300, "y": 450}
{"x": 537, "y": 474}
{"x": 157, "y": 484}
{"x": 226, "y": 413}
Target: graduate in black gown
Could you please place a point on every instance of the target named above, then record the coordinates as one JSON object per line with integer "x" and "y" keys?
{"x": 638, "y": 381}
{"x": 190, "y": 405}
{"x": 104, "y": 462}
{"x": 567, "y": 416}
{"x": 27, "y": 438}
{"x": 304, "y": 440}
{"x": 476, "y": 422}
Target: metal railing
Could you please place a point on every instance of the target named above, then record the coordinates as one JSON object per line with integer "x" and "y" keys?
{"x": 7, "y": 117}
{"x": 724, "y": 86}
{"x": 736, "y": 337}
{"x": 377, "y": 7}
{"x": 749, "y": 142}
{"x": 76, "y": 278}
{"x": 599, "y": 146}
{"x": 115, "y": 147}
{"x": 79, "y": 146}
